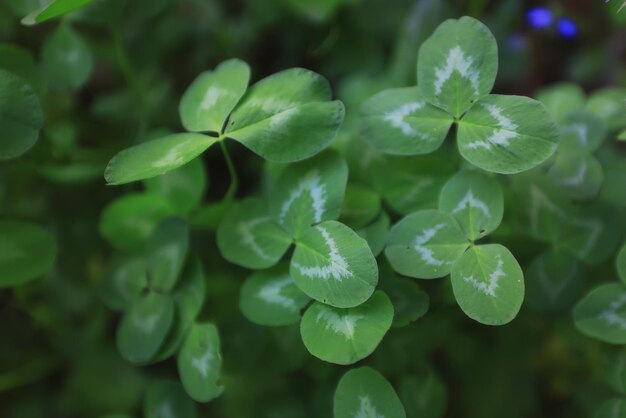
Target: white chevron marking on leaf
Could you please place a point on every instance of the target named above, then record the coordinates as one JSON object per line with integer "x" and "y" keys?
{"x": 427, "y": 253}
{"x": 396, "y": 119}
{"x": 501, "y": 135}
{"x": 457, "y": 61}
{"x": 366, "y": 409}
{"x": 203, "y": 362}
{"x": 341, "y": 324}
{"x": 494, "y": 279}
{"x": 146, "y": 324}
{"x": 311, "y": 183}
{"x": 610, "y": 314}
{"x": 245, "y": 230}
{"x": 338, "y": 267}
{"x": 471, "y": 201}
{"x": 270, "y": 293}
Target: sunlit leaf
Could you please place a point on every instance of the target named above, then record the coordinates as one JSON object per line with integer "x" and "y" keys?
{"x": 213, "y": 95}
{"x": 155, "y": 157}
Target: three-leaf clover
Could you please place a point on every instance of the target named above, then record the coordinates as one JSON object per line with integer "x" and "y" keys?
{"x": 285, "y": 117}
{"x": 456, "y": 70}
{"x": 331, "y": 263}
{"x": 486, "y": 279}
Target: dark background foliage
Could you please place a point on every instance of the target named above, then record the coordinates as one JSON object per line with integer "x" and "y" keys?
{"x": 57, "y": 351}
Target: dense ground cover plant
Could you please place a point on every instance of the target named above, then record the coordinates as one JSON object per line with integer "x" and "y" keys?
{"x": 268, "y": 239}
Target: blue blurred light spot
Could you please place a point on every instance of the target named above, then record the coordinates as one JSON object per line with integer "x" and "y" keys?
{"x": 567, "y": 28}
{"x": 539, "y": 17}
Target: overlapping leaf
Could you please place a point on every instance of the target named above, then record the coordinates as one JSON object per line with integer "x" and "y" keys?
{"x": 507, "y": 134}
{"x": 247, "y": 236}
{"x": 309, "y": 192}
{"x": 211, "y": 97}
{"x": 271, "y": 297}
{"x": 488, "y": 284}
{"x": 425, "y": 244}
{"x": 475, "y": 200}
{"x": 333, "y": 265}
{"x": 345, "y": 336}
{"x": 200, "y": 362}
{"x": 401, "y": 121}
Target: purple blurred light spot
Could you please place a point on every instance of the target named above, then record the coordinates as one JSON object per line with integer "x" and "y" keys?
{"x": 539, "y": 17}
{"x": 567, "y": 28}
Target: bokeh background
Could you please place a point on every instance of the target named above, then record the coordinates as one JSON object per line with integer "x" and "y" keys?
{"x": 136, "y": 57}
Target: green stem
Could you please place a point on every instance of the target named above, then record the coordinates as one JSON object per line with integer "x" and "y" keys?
{"x": 234, "y": 181}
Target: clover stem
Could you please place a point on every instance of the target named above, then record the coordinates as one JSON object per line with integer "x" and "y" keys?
{"x": 234, "y": 181}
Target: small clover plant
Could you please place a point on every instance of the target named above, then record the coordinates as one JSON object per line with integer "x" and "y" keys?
{"x": 285, "y": 117}
{"x": 456, "y": 70}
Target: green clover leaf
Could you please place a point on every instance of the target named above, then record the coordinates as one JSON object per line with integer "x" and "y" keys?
{"x": 199, "y": 363}
{"x": 271, "y": 297}
{"x": 333, "y": 265}
{"x": 285, "y": 117}
{"x": 247, "y": 236}
{"x": 21, "y": 117}
{"x": 475, "y": 200}
{"x": 165, "y": 398}
{"x": 309, "y": 192}
{"x": 364, "y": 392}
{"x": 456, "y": 71}
{"x": 425, "y": 244}
{"x": 144, "y": 327}
{"x": 457, "y": 65}
{"x": 26, "y": 252}
{"x": 345, "y": 336}
{"x": 488, "y": 284}
{"x": 601, "y": 314}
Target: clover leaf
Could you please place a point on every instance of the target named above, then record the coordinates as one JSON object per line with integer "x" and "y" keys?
{"x": 285, "y": 117}
{"x": 456, "y": 71}
{"x": 271, "y": 297}
{"x": 601, "y": 314}
{"x": 364, "y": 392}
{"x": 21, "y": 117}
{"x": 345, "y": 336}
{"x": 333, "y": 265}
{"x": 486, "y": 279}
{"x": 199, "y": 362}
{"x": 26, "y": 252}
{"x": 488, "y": 284}
{"x": 168, "y": 398}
